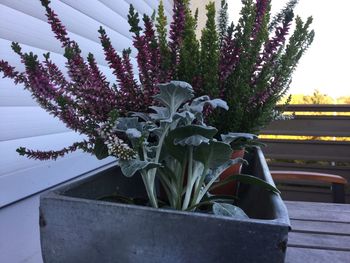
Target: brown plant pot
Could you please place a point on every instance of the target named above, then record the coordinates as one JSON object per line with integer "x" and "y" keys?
{"x": 230, "y": 188}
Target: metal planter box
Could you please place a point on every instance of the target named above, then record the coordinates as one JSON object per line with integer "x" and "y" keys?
{"x": 75, "y": 227}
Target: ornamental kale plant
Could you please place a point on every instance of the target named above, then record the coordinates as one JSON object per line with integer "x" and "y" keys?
{"x": 174, "y": 145}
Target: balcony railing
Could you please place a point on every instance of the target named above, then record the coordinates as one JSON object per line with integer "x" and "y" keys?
{"x": 317, "y": 139}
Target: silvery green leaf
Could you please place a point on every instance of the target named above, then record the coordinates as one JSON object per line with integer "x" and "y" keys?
{"x": 173, "y": 94}
{"x": 229, "y": 210}
{"x": 162, "y": 113}
{"x": 151, "y": 150}
{"x": 186, "y": 116}
{"x": 198, "y": 169}
{"x": 133, "y": 133}
{"x": 180, "y": 133}
{"x": 126, "y": 123}
{"x": 248, "y": 179}
{"x": 198, "y": 104}
{"x": 214, "y": 174}
{"x": 130, "y": 167}
{"x": 193, "y": 140}
{"x": 230, "y": 137}
{"x": 141, "y": 115}
{"x": 213, "y": 154}
{"x": 218, "y": 103}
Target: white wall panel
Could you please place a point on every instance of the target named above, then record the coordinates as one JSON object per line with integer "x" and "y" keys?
{"x": 142, "y": 5}
{"x": 76, "y": 22}
{"x": 22, "y": 28}
{"x": 12, "y": 162}
{"x": 103, "y": 15}
{"x": 154, "y": 5}
{"x": 15, "y": 95}
{"x": 22, "y": 122}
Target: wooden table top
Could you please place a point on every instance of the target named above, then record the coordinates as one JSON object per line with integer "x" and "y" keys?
{"x": 320, "y": 232}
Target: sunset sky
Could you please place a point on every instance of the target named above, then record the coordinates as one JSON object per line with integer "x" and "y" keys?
{"x": 326, "y": 65}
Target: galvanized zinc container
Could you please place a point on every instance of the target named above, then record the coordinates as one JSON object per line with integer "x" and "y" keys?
{"x": 75, "y": 227}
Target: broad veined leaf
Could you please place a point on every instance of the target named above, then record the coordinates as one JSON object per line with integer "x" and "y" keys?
{"x": 214, "y": 174}
{"x": 173, "y": 94}
{"x": 198, "y": 104}
{"x": 100, "y": 149}
{"x": 247, "y": 179}
{"x": 213, "y": 154}
{"x": 130, "y": 167}
{"x": 141, "y": 115}
{"x": 161, "y": 113}
{"x": 180, "y": 133}
{"x": 133, "y": 133}
{"x": 126, "y": 123}
{"x": 230, "y": 137}
{"x": 229, "y": 210}
{"x": 185, "y": 116}
{"x": 193, "y": 140}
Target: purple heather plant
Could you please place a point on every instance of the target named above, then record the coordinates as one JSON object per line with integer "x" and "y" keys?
{"x": 248, "y": 65}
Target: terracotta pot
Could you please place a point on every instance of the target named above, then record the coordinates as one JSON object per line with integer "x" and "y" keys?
{"x": 230, "y": 188}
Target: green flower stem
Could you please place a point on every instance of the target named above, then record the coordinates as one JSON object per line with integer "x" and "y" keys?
{"x": 149, "y": 177}
{"x": 207, "y": 187}
{"x": 148, "y": 180}
{"x": 190, "y": 182}
{"x": 199, "y": 183}
{"x": 149, "y": 185}
{"x": 169, "y": 188}
{"x": 182, "y": 173}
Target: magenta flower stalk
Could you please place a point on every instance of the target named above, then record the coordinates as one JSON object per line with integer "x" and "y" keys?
{"x": 153, "y": 52}
{"x": 128, "y": 88}
{"x": 53, "y": 155}
{"x": 10, "y": 72}
{"x": 273, "y": 45}
{"x": 271, "y": 49}
{"x": 261, "y": 9}
{"x": 147, "y": 59}
{"x": 177, "y": 27}
{"x": 229, "y": 58}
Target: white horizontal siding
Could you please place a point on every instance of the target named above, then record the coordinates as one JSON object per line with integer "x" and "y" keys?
{"x": 22, "y": 122}
{"x": 103, "y": 16}
{"x": 14, "y": 95}
{"x": 23, "y": 28}
{"x": 11, "y": 95}
{"x": 12, "y": 162}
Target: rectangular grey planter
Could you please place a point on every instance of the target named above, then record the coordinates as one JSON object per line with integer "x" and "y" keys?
{"x": 75, "y": 227}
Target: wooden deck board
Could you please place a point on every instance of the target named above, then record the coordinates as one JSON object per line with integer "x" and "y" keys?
{"x": 306, "y": 255}
{"x": 319, "y": 241}
{"x": 320, "y": 232}
{"x": 320, "y": 227}
{"x": 319, "y": 212}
